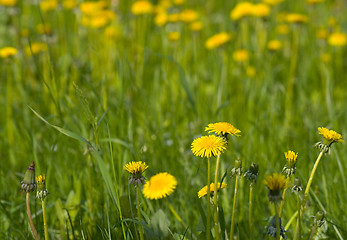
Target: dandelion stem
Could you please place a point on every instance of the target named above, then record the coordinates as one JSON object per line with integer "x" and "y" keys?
{"x": 44, "y": 220}
{"x": 208, "y": 219}
{"x": 138, "y": 210}
{"x": 215, "y": 200}
{"x": 313, "y": 231}
{"x": 283, "y": 197}
{"x": 234, "y": 208}
{"x": 250, "y": 212}
{"x": 297, "y": 230}
{"x": 32, "y": 226}
{"x": 277, "y": 223}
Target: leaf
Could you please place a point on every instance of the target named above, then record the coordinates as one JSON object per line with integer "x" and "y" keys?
{"x": 159, "y": 224}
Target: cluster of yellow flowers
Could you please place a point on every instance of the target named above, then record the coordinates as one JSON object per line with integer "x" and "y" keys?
{"x": 244, "y": 9}
{"x": 96, "y": 14}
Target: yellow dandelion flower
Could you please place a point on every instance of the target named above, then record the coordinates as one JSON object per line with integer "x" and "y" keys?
{"x": 241, "y": 10}
{"x": 178, "y": 2}
{"x": 196, "y": 26}
{"x": 241, "y": 55}
{"x": 337, "y": 39}
{"x": 203, "y": 191}
{"x": 260, "y": 10}
{"x": 314, "y": 1}
{"x": 296, "y": 18}
{"x": 8, "y": 3}
{"x": 275, "y": 183}
{"x": 113, "y": 32}
{"x": 90, "y": 8}
{"x": 330, "y": 135}
{"x": 173, "y": 36}
{"x": 208, "y": 146}
{"x": 35, "y": 48}
{"x": 272, "y": 2}
{"x": 217, "y": 40}
{"x": 159, "y": 186}
{"x": 291, "y": 156}
{"x": 188, "y": 16}
{"x": 161, "y": 19}
{"x": 142, "y": 7}
{"x": 174, "y": 17}
{"x": 48, "y": 5}
{"x": 7, "y": 52}
{"x": 135, "y": 168}
{"x": 222, "y": 129}
{"x": 274, "y": 45}
{"x": 250, "y": 71}
{"x": 69, "y": 4}
{"x": 282, "y": 29}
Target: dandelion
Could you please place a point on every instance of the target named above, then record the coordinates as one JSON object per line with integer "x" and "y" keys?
{"x": 272, "y": 2}
{"x": 161, "y": 19}
{"x": 8, "y": 52}
{"x": 69, "y": 4}
{"x": 289, "y": 168}
{"x": 223, "y": 129}
{"x": 241, "y": 55}
{"x": 136, "y": 170}
{"x": 203, "y": 191}
{"x": 260, "y": 10}
{"x": 28, "y": 185}
{"x": 296, "y": 18}
{"x": 237, "y": 170}
{"x": 275, "y": 183}
{"x": 274, "y": 45}
{"x": 173, "y": 36}
{"x": 337, "y": 39}
{"x": 35, "y": 48}
{"x": 142, "y": 7}
{"x": 8, "y": 3}
{"x": 241, "y": 10}
{"x": 188, "y": 16}
{"x": 42, "y": 194}
{"x": 330, "y": 135}
{"x": 217, "y": 40}
{"x": 159, "y": 186}
{"x": 48, "y": 5}
{"x": 196, "y": 26}
{"x": 208, "y": 146}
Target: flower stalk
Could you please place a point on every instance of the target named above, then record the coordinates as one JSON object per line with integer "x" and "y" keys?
{"x": 234, "y": 208}
{"x": 208, "y": 199}
{"x": 139, "y": 211}
{"x": 215, "y": 200}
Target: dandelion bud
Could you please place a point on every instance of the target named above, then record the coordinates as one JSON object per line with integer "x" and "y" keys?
{"x": 297, "y": 185}
{"x": 319, "y": 219}
{"x": 237, "y": 170}
{"x": 252, "y": 173}
{"x": 41, "y": 187}
{"x": 28, "y": 184}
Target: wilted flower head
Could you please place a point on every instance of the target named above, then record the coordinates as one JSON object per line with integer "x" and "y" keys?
{"x": 28, "y": 184}
{"x": 136, "y": 169}
{"x": 203, "y": 191}
{"x": 252, "y": 173}
{"x": 159, "y": 186}
{"x": 272, "y": 228}
{"x": 275, "y": 183}
{"x": 289, "y": 168}
{"x": 41, "y": 187}
{"x": 208, "y": 146}
{"x": 217, "y": 40}
{"x": 297, "y": 185}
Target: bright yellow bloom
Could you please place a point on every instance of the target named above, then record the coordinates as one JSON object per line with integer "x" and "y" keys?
{"x": 7, "y": 52}
{"x": 188, "y": 16}
{"x": 174, "y": 17}
{"x": 203, "y": 191}
{"x": 35, "y": 48}
{"x": 8, "y": 3}
{"x": 41, "y": 179}
{"x": 161, "y": 19}
{"x": 90, "y": 8}
{"x": 178, "y": 2}
{"x": 242, "y": 9}
{"x": 217, "y": 40}
{"x": 260, "y": 10}
{"x": 296, "y": 18}
{"x": 241, "y": 55}
{"x": 275, "y": 183}
{"x": 337, "y": 39}
{"x": 274, "y": 45}
{"x": 272, "y": 2}
{"x": 291, "y": 156}
{"x": 330, "y": 135}
{"x": 142, "y": 7}
{"x": 135, "y": 168}
{"x": 173, "y": 36}
{"x": 48, "y": 5}
{"x": 69, "y": 4}
{"x": 196, "y": 26}
{"x": 159, "y": 186}
{"x": 222, "y": 129}
{"x": 282, "y": 29}
{"x": 208, "y": 146}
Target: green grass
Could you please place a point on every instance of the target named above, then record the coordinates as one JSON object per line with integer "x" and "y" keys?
{"x": 140, "y": 97}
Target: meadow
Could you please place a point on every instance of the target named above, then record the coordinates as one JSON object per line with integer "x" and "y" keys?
{"x": 88, "y": 87}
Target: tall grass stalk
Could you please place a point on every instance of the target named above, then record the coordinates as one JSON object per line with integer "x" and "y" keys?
{"x": 215, "y": 200}
{"x": 234, "y": 207}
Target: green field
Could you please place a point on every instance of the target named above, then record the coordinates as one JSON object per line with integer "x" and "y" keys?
{"x": 88, "y": 87}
